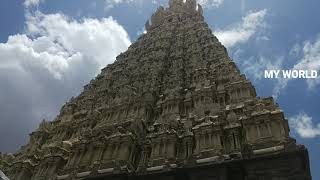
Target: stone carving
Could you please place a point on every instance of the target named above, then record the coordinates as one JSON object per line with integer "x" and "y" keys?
{"x": 173, "y": 100}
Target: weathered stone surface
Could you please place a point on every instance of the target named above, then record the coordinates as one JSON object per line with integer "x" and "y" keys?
{"x": 174, "y": 104}
{"x": 3, "y": 176}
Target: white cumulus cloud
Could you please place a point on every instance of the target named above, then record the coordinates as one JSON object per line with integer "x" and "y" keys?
{"x": 303, "y": 125}
{"x": 48, "y": 63}
{"x": 109, "y": 4}
{"x": 57, "y": 35}
{"x": 310, "y": 60}
{"x": 255, "y": 66}
{"x": 29, "y": 3}
{"x": 243, "y": 31}
{"x": 210, "y": 3}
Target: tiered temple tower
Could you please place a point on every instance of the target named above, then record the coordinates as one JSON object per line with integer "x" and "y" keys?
{"x": 173, "y": 106}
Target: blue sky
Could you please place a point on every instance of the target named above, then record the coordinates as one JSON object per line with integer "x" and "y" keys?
{"x": 43, "y": 62}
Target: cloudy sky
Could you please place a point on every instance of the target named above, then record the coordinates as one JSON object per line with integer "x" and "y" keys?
{"x": 49, "y": 49}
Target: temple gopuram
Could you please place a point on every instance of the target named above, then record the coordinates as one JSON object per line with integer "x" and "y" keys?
{"x": 174, "y": 106}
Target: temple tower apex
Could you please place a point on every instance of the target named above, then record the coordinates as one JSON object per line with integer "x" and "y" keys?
{"x": 177, "y": 10}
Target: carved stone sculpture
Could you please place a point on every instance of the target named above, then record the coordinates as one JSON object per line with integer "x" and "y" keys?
{"x": 173, "y": 106}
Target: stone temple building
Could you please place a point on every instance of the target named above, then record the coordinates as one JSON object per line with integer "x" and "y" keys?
{"x": 174, "y": 106}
